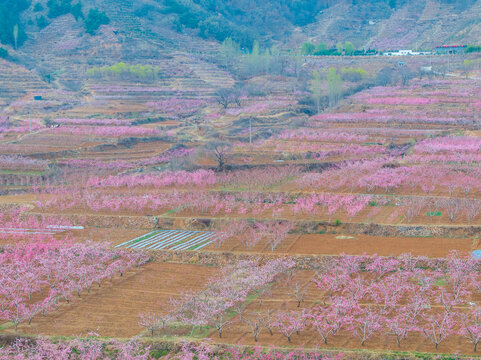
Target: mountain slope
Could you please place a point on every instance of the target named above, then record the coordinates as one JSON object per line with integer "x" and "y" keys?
{"x": 420, "y": 24}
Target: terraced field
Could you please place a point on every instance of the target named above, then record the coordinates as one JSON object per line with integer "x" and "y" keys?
{"x": 171, "y": 240}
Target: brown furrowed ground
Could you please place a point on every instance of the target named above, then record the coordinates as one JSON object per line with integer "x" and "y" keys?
{"x": 335, "y": 244}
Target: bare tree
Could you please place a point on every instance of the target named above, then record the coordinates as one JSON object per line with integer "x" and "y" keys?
{"x": 223, "y": 97}
{"x": 385, "y": 76}
{"x": 236, "y": 95}
{"x": 406, "y": 74}
{"x": 227, "y": 96}
{"x": 220, "y": 151}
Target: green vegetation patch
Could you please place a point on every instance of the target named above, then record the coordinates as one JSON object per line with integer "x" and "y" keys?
{"x": 58, "y": 8}
{"x": 94, "y": 20}
{"x": 122, "y": 70}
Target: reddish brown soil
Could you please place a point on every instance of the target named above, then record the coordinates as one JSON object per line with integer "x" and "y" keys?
{"x": 383, "y": 246}
{"x": 335, "y": 244}
{"x": 113, "y": 310}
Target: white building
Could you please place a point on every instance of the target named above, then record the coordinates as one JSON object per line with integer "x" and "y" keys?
{"x": 401, "y": 53}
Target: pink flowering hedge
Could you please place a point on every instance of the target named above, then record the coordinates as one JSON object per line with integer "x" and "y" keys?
{"x": 106, "y": 131}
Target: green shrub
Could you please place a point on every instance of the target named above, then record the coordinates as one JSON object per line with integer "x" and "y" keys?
{"x": 94, "y": 20}
{"x": 158, "y": 353}
{"x": 42, "y": 22}
{"x": 58, "y": 8}
{"x": 308, "y": 48}
{"x": 3, "y": 53}
{"x": 76, "y": 11}
{"x": 352, "y": 74}
{"x": 144, "y": 10}
{"x": 473, "y": 48}
{"x": 322, "y": 49}
{"x": 38, "y": 7}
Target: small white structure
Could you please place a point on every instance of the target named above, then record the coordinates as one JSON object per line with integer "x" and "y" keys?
{"x": 402, "y": 53}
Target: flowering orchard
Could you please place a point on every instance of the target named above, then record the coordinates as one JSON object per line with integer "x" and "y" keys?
{"x": 268, "y": 205}
{"x": 106, "y": 131}
{"x": 243, "y": 177}
{"x": 356, "y": 297}
{"x": 37, "y": 276}
{"x": 96, "y": 348}
{"x": 77, "y": 349}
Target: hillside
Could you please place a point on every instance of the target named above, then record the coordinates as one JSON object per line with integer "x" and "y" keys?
{"x": 420, "y": 24}
{"x": 196, "y": 24}
{"x": 59, "y": 40}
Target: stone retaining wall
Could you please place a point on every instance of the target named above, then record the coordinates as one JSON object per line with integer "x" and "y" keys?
{"x": 159, "y": 222}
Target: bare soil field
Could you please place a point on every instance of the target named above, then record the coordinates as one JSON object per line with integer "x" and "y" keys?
{"x": 335, "y": 244}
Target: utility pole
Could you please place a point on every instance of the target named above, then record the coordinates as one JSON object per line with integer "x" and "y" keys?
{"x": 250, "y": 130}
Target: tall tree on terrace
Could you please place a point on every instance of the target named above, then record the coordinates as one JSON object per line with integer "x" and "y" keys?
{"x": 316, "y": 89}
{"x": 15, "y": 35}
{"x": 229, "y": 52}
{"x": 334, "y": 86}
